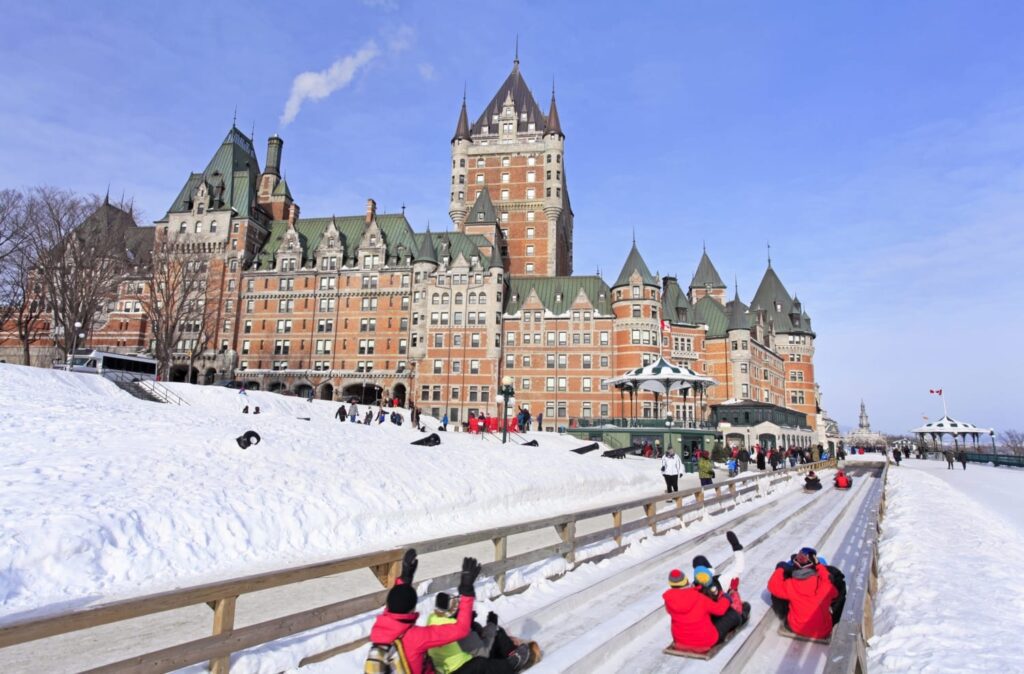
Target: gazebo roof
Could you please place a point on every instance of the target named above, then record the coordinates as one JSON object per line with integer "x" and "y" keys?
{"x": 948, "y": 424}
{"x": 664, "y": 373}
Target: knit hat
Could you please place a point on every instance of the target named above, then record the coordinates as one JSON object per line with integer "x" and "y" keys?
{"x": 401, "y": 599}
{"x": 677, "y": 578}
{"x": 702, "y": 575}
{"x": 701, "y": 560}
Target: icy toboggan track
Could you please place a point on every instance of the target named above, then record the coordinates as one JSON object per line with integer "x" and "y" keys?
{"x": 618, "y": 624}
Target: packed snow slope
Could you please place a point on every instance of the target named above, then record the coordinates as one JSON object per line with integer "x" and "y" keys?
{"x": 104, "y": 496}
{"x": 950, "y": 595}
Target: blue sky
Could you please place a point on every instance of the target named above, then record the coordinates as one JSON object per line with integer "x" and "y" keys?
{"x": 878, "y": 146}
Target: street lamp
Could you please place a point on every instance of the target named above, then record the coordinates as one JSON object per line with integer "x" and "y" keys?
{"x": 74, "y": 341}
{"x": 506, "y": 391}
{"x": 992, "y": 436}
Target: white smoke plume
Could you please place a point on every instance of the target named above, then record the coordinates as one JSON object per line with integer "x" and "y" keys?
{"x": 317, "y": 85}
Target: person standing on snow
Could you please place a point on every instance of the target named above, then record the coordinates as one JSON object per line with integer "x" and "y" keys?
{"x": 896, "y": 456}
{"x": 353, "y": 412}
{"x": 949, "y": 458}
{"x": 705, "y": 469}
{"x": 671, "y": 469}
{"x": 444, "y": 423}
{"x": 341, "y": 414}
{"x": 743, "y": 457}
{"x": 961, "y": 456}
{"x": 760, "y": 457}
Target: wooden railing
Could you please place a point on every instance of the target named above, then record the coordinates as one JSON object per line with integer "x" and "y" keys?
{"x": 222, "y": 596}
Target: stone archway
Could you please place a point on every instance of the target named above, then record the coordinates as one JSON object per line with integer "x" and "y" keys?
{"x": 398, "y": 391}
{"x": 210, "y": 375}
{"x": 326, "y": 391}
{"x": 364, "y": 393}
{"x": 303, "y": 390}
{"x": 277, "y": 386}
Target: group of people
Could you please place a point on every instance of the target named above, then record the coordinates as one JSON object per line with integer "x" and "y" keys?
{"x": 451, "y": 641}
{"x": 959, "y": 455}
{"x": 351, "y": 413}
{"x": 806, "y": 593}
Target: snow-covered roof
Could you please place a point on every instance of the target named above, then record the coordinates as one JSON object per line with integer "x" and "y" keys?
{"x": 948, "y": 424}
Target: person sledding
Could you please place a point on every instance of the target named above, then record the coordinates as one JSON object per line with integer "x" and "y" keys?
{"x": 812, "y": 482}
{"x": 487, "y": 649}
{"x": 842, "y": 480}
{"x": 703, "y": 616}
{"x": 808, "y": 595}
{"x": 398, "y": 644}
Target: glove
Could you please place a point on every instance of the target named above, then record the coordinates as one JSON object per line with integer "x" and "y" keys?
{"x": 470, "y": 570}
{"x": 733, "y": 541}
{"x": 492, "y": 618}
{"x": 785, "y": 566}
{"x": 409, "y": 564}
{"x": 734, "y": 585}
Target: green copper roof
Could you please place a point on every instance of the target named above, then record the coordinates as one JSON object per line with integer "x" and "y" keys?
{"x": 713, "y": 315}
{"x": 425, "y": 248}
{"x": 706, "y": 274}
{"x": 772, "y": 296}
{"x": 675, "y": 306}
{"x": 236, "y": 164}
{"x": 635, "y": 263}
{"x": 549, "y": 287}
{"x": 496, "y": 259}
{"x": 282, "y": 189}
{"x": 395, "y": 229}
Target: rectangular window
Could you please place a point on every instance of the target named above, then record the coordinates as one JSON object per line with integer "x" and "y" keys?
{"x": 549, "y": 384}
{"x": 587, "y": 361}
{"x": 474, "y": 367}
{"x": 437, "y": 366}
{"x": 604, "y": 338}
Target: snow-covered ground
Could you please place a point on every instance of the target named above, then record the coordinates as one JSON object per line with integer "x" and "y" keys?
{"x": 951, "y": 598}
{"x": 104, "y": 496}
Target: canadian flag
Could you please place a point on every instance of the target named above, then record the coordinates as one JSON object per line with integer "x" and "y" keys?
{"x": 664, "y": 326}
{"x": 936, "y": 391}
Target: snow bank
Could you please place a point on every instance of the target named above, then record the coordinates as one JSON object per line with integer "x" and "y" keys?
{"x": 950, "y": 595}
{"x": 103, "y": 495}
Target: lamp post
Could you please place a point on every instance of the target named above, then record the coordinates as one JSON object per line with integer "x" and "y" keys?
{"x": 992, "y": 436}
{"x": 506, "y": 391}
{"x": 74, "y": 342}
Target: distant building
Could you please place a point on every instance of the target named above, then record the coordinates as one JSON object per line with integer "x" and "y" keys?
{"x": 361, "y": 306}
{"x": 864, "y": 436}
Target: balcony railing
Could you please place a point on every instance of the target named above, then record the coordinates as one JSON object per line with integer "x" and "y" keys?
{"x": 620, "y": 422}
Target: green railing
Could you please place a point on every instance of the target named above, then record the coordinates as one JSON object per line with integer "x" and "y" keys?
{"x": 619, "y": 422}
{"x": 996, "y": 459}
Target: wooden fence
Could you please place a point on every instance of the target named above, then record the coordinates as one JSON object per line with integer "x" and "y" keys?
{"x": 222, "y": 595}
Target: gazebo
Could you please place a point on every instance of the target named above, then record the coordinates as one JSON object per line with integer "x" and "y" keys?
{"x": 947, "y": 425}
{"x": 661, "y": 378}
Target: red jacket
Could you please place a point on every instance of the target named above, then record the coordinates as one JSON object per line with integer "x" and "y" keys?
{"x": 416, "y": 640}
{"x": 809, "y": 601}
{"x": 842, "y": 481}
{"x": 691, "y": 611}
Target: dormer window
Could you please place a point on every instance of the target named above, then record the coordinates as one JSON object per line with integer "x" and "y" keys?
{"x": 373, "y": 239}
{"x": 558, "y": 297}
{"x": 479, "y": 217}
{"x": 508, "y": 110}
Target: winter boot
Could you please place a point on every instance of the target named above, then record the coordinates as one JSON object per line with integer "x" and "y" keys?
{"x": 745, "y": 613}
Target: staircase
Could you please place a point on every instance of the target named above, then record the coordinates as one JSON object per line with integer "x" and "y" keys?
{"x": 150, "y": 391}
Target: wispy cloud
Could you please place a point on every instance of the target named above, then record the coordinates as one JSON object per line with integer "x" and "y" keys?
{"x": 427, "y": 71}
{"x": 389, "y": 5}
{"x": 401, "y": 39}
{"x": 318, "y": 85}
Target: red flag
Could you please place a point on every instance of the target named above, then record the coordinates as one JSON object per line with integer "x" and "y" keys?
{"x": 665, "y": 326}
{"x": 936, "y": 391}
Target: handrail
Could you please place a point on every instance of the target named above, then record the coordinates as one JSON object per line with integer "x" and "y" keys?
{"x": 385, "y": 565}
{"x": 848, "y": 651}
{"x": 162, "y": 392}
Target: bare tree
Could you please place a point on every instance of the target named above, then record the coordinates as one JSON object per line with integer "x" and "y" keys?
{"x": 81, "y": 257}
{"x": 12, "y": 232}
{"x": 175, "y": 303}
{"x": 1012, "y": 440}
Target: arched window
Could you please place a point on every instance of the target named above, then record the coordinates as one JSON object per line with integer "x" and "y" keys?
{"x": 213, "y": 227}
{"x": 183, "y": 228}
{"x": 472, "y": 298}
{"x": 458, "y": 298}
{"x": 199, "y": 227}
{"x": 482, "y": 298}
{"x": 445, "y": 298}
{"x": 435, "y": 299}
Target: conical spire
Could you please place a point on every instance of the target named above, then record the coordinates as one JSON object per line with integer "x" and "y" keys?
{"x": 483, "y": 209}
{"x": 554, "y": 127}
{"x": 706, "y": 274}
{"x": 635, "y": 262}
{"x": 496, "y": 259}
{"x": 426, "y": 252}
{"x": 462, "y": 128}
{"x": 739, "y": 318}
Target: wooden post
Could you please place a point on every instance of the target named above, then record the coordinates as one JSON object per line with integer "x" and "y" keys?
{"x": 500, "y": 554}
{"x": 650, "y": 510}
{"x": 567, "y": 532}
{"x": 700, "y": 501}
{"x": 733, "y": 492}
{"x": 223, "y": 621}
{"x": 388, "y": 572}
{"x": 679, "y": 506}
{"x": 617, "y": 523}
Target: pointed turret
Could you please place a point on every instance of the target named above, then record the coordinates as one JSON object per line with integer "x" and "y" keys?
{"x": 483, "y": 209}
{"x": 739, "y": 315}
{"x": 496, "y": 258}
{"x": 773, "y": 297}
{"x": 554, "y": 127}
{"x": 635, "y": 263}
{"x": 706, "y": 276}
{"x": 462, "y": 127}
{"x": 426, "y": 252}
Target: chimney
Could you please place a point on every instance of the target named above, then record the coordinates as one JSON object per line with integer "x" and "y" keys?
{"x": 274, "y": 147}
{"x": 371, "y": 210}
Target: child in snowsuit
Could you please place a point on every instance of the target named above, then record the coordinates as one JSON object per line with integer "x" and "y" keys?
{"x": 807, "y": 594}
{"x": 842, "y": 480}
{"x": 485, "y": 649}
{"x": 702, "y": 615}
{"x": 399, "y": 618}
{"x": 811, "y": 482}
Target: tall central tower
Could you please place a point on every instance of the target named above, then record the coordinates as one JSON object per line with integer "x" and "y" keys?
{"x": 514, "y": 155}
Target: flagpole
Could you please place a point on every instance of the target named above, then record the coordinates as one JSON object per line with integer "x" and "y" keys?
{"x": 944, "y": 412}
